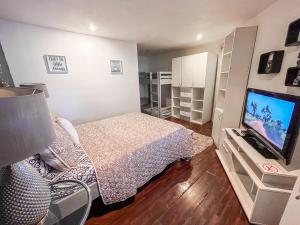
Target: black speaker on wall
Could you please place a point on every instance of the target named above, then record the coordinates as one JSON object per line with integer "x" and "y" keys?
{"x": 293, "y": 35}
{"x": 270, "y": 62}
{"x": 293, "y": 75}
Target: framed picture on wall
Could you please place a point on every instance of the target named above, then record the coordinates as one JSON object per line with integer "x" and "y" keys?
{"x": 56, "y": 64}
{"x": 116, "y": 67}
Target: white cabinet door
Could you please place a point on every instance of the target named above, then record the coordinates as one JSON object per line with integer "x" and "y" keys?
{"x": 187, "y": 71}
{"x": 199, "y": 69}
{"x": 176, "y": 72}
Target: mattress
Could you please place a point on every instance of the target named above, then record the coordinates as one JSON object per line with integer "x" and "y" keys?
{"x": 128, "y": 150}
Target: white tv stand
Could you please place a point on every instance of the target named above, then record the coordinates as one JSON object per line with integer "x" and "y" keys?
{"x": 262, "y": 185}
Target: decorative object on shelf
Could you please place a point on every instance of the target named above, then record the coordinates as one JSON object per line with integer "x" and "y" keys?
{"x": 25, "y": 130}
{"x": 5, "y": 76}
{"x": 269, "y": 168}
{"x": 38, "y": 86}
{"x": 56, "y": 64}
{"x": 116, "y": 67}
{"x": 293, "y": 75}
{"x": 293, "y": 35}
{"x": 270, "y": 62}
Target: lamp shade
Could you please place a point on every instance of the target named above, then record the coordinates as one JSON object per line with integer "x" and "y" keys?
{"x": 25, "y": 124}
{"x": 38, "y": 86}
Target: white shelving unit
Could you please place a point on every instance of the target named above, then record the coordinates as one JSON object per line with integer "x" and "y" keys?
{"x": 263, "y": 193}
{"x": 193, "y": 87}
{"x": 232, "y": 80}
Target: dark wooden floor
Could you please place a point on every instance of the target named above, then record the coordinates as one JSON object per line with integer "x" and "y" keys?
{"x": 186, "y": 193}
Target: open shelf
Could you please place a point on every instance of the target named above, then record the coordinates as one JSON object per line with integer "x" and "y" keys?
{"x": 197, "y": 105}
{"x": 198, "y": 93}
{"x": 176, "y": 102}
{"x": 226, "y": 63}
{"x": 223, "y": 81}
{"x": 257, "y": 189}
{"x": 176, "y": 92}
{"x": 246, "y": 200}
{"x": 197, "y": 117}
{"x": 186, "y": 92}
{"x": 220, "y": 99}
{"x": 229, "y": 40}
{"x": 185, "y": 113}
{"x": 185, "y": 104}
{"x": 176, "y": 112}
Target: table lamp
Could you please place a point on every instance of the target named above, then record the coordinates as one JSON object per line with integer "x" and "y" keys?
{"x": 25, "y": 129}
{"x": 38, "y": 86}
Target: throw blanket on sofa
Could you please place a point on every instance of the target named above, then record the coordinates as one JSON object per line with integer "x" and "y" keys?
{"x": 128, "y": 150}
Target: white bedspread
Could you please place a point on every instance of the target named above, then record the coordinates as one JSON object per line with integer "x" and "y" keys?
{"x": 128, "y": 150}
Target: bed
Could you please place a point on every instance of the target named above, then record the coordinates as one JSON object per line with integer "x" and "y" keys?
{"x": 117, "y": 156}
{"x": 128, "y": 150}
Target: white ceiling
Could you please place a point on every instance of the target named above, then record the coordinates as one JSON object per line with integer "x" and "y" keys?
{"x": 157, "y": 25}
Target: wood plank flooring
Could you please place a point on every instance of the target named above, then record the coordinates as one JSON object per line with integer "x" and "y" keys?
{"x": 186, "y": 193}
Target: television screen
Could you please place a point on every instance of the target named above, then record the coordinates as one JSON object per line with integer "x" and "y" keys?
{"x": 269, "y": 116}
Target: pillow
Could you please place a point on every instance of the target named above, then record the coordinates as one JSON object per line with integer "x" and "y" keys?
{"x": 69, "y": 128}
{"x": 61, "y": 153}
{"x": 47, "y": 172}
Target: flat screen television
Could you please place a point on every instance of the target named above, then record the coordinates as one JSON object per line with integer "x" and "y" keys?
{"x": 273, "y": 119}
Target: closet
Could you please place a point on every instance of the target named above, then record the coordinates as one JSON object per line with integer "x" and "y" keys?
{"x": 193, "y": 87}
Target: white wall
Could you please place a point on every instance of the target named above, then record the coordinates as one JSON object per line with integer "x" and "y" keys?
{"x": 88, "y": 92}
{"x": 272, "y": 29}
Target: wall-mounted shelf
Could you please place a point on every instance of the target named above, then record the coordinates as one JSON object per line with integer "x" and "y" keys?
{"x": 293, "y": 35}
{"x": 291, "y": 77}
{"x": 270, "y": 62}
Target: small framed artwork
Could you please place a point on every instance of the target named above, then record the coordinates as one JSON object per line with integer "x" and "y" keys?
{"x": 116, "y": 67}
{"x": 56, "y": 64}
